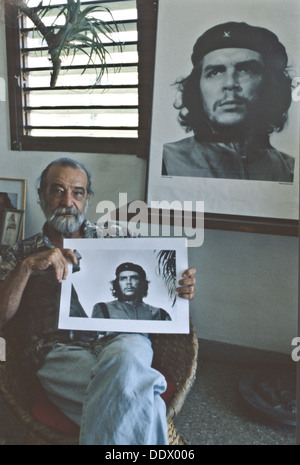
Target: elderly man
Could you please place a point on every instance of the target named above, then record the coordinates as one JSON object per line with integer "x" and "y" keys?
{"x": 102, "y": 387}
{"x": 129, "y": 287}
{"x": 237, "y": 94}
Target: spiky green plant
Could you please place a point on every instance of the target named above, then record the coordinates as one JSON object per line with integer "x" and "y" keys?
{"x": 166, "y": 267}
{"x": 81, "y": 32}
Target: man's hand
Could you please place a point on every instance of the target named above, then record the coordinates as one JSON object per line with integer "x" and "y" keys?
{"x": 12, "y": 288}
{"x": 188, "y": 282}
{"x": 56, "y": 258}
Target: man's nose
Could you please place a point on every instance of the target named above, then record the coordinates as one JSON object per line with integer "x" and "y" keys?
{"x": 231, "y": 81}
{"x": 67, "y": 199}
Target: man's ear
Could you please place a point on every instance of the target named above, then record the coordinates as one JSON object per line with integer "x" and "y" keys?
{"x": 40, "y": 194}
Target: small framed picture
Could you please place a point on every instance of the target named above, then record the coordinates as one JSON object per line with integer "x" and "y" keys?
{"x": 13, "y": 195}
{"x": 11, "y": 226}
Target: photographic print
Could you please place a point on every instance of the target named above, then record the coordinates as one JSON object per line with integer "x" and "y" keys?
{"x": 132, "y": 287}
{"x": 225, "y": 117}
{"x": 11, "y": 226}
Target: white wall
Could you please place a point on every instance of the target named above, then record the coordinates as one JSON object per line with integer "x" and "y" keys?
{"x": 247, "y": 283}
{"x": 247, "y": 291}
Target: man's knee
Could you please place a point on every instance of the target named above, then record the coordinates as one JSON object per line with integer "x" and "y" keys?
{"x": 127, "y": 349}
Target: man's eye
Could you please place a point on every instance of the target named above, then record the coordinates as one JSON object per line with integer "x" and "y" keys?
{"x": 57, "y": 192}
{"x": 245, "y": 69}
{"x": 78, "y": 195}
{"x": 250, "y": 68}
{"x": 213, "y": 73}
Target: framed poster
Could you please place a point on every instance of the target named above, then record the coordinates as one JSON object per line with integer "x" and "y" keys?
{"x": 13, "y": 196}
{"x": 236, "y": 160}
{"x": 131, "y": 288}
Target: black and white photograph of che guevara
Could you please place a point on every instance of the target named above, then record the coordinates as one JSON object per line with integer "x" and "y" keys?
{"x": 223, "y": 104}
{"x": 127, "y": 289}
{"x": 237, "y": 94}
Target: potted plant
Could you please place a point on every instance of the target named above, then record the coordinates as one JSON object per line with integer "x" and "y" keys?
{"x": 81, "y": 31}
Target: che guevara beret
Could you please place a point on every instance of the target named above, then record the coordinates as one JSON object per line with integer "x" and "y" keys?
{"x": 241, "y": 35}
{"x": 131, "y": 267}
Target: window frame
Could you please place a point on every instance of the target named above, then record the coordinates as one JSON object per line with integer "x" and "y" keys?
{"x": 146, "y": 27}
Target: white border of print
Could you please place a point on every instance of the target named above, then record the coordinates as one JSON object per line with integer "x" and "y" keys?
{"x": 97, "y": 269}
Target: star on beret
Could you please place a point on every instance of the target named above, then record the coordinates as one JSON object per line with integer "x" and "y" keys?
{"x": 227, "y": 34}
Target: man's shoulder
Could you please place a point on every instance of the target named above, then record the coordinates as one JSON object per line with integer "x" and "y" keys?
{"x": 289, "y": 160}
{"x": 157, "y": 312}
{"x": 187, "y": 157}
{"x": 186, "y": 150}
{"x": 17, "y": 252}
{"x": 103, "y": 305}
{"x": 27, "y": 246}
{"x": 179, "y": 145}
{"x": 101, "y": 309}
{"x": 287, "y": 157}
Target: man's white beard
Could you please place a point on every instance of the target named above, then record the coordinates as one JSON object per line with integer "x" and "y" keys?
{"x": 59, "y": 219}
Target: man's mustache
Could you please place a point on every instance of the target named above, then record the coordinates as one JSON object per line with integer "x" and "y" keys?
{"x": 234, "y": 100}
{"x": 64, "y": 211}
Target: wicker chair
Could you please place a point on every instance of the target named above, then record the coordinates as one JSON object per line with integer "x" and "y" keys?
{"x": 175, "y": 354}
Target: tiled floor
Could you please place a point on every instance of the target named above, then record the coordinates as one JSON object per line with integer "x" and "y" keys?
{"x": 216, "y": 414}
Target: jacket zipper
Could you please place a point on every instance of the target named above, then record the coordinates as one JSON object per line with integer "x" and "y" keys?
{"x": 241, "y": 150}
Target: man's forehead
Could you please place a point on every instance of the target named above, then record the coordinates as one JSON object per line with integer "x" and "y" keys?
{"x": 128, "y": 273}
{"x": 66, "y": 175}
{"x": 227, "y": 56}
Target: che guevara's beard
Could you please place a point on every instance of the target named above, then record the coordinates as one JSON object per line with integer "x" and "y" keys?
{"x": 65, "y": 220}
{"x": 129, "y": 298}
{"x": 135, "y": 297}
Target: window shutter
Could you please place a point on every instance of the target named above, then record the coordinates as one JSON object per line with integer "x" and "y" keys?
{"x": 75, "y": 115}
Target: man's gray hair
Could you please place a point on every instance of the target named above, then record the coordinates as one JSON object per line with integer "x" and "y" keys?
{"x": 76, "y": 165}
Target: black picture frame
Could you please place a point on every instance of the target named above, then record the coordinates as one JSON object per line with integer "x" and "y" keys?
{"x": 213, "y": 220}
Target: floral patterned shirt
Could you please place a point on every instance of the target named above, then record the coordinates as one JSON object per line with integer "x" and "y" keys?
{"x": 40, "y": 242}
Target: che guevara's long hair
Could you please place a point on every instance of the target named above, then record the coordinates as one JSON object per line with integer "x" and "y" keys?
{"x": 274, "y": 102}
